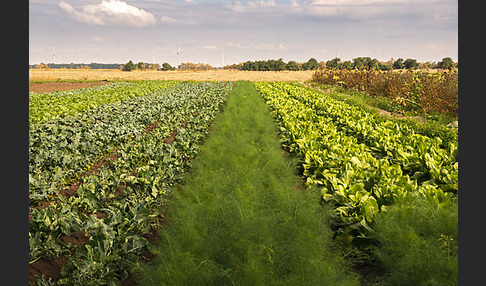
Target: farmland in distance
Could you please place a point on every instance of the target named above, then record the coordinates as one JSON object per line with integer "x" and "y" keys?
{"x": 210, "y": 75}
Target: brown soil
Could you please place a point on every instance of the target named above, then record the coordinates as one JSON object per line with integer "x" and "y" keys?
{"x": 47, "y": 266}
{"x": 60, "y": 86}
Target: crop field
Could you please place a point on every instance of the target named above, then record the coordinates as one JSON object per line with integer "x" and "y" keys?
{"x": 184, "y": 75}
{"x": 165, "y": 182}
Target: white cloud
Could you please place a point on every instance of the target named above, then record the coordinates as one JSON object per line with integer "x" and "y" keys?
{"x": 261, "y": 3}
{"x": 251, "y": 5}
{"x": 110, "y": 12}
{"x": 168, "y": 20}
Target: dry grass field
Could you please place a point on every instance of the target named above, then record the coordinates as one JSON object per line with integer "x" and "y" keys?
{"x": 210, "y": 75}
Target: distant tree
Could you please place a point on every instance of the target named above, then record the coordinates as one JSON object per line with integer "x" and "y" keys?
{"x": 42, "y": 66}
{"x": 334, "y": 63}
{"x": 129, "y": 66}
{"x": 410, "y": 63}
{"x": 154, "y": 66}
{"x": 193, "y": 66}
{"x": 248, "y": 66}
{"x": 167, "y": 67}
{"x": 384, "y": 66}
{"x": 292, "y": 66}
{"x": 312, "y": 64}
{"x": 359, "y": 63}
{"x": 141, "y": 65}
{"x": 446, "y": 63}
{"x": 398, "y": 64}
{"x": 280, "y": 65}
{"x": 365, "y": 63}
{"x": 232, "y": 67}
{"x": 347, "y": 65}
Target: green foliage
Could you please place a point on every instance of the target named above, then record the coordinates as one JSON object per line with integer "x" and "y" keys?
{"x": 311, "y": 64}
{"x": 48, "y": 106}
{"x": 292, "y": 66}
{"x": 362, "y": 164}
{"x": 398, "y": 64}
{"x": 167, "y": 67}
{"x": 410, "y": 63}
{"x": 445, "y": 63}
{"x": 419, "y": 242}
{"x": 146, "y": 166}
{"x": 141, "y": 65}
{"x": 129, "y": 66}
{"x": 368, "y": 168}
{"x": 238, "y": 219}
{"x": 268, "y": 65}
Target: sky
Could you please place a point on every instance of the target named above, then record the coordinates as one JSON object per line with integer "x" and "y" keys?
{"x": 229, "y": 32}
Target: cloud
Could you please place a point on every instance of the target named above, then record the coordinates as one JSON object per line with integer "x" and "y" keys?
{"x": 251, "y": 5}
{"x": 168, "y": 20}
{"x": 261, "y": 3}
{"x": 110, "y": 13}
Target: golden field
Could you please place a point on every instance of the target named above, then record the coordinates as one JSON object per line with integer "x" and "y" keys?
{"x": 209, "y": 75}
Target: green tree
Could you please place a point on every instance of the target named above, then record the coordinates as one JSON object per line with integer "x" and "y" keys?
{"x": 280, "y": 65}
{"x": 398, "y": 64}
{"x": 167, "y": 67}
{"x": 312, "y": 64}
{"x": 292, "y": 66}
{"x": 446, "y": 63}
{"x": 384, "y": 66}
{"x": 141, "y": 65}
{"x": 129, "y": 66}
{"x": 347, "y": 65}
{"x": 334, "y": 63}
{"x": 410, "y": 63}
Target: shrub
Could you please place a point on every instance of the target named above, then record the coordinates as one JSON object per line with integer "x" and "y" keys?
{"x": 420, "y": 91}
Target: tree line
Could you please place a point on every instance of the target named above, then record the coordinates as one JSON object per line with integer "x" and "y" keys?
{"x": 336, "y": 63}
{"x": 269, "y": 65}
{"x": 371, "y": 64}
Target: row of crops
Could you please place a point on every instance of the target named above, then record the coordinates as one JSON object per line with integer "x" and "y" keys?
{"x": 101, "y": 161}
{"x": 365, "y": 165}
